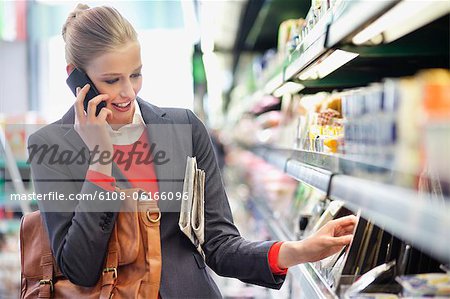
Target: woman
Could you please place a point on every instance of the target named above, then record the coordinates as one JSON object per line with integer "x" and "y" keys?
{"x": 102, "y": 43}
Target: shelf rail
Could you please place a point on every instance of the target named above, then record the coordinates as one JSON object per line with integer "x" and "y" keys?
{"x": 413, "y": 216}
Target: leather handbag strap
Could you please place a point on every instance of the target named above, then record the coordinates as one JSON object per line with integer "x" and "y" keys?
{"x": 47, "y": 265}
{"x": 150, "y": 215}
{"x": 109, "y": 273}
{"x": 46, "y": 283}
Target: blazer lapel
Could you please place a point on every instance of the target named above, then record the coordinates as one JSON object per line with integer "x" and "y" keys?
{"x": 159, "y": 133}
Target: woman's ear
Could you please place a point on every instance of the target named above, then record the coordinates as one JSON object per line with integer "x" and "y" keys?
{"x": 69, "y": 68}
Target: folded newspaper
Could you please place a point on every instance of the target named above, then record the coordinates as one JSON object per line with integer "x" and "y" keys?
{"x": 192, "y": 213}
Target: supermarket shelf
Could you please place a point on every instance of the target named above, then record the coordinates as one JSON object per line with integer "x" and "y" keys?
{"x": 290, "y": 162}
{"x": 310, "y": 49}
{"x": 355, "y": 16}
{"x": 305, "y": 53}
{"x": 313, "y": 176}
{"x": 317, "y": 42}
{"x": 311, "y": 282}
{"x": 275, "y": 82}
{"x": 408, "y": 15}
{"x": 332, "y": 32}
{"x": 316, "y": 168}
{"x": 277, "y": 158}
{"x": 414, "y": 217}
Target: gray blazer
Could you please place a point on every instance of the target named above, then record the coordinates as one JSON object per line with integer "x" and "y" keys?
{"x": 79, "y": 241}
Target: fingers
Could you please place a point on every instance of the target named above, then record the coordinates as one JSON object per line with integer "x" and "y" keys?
{"x": 344, "y": 231}
{"x": 79, "y": 108}
{"x": 92, "y": 105}
{"x": 345, "y": 221}
{"x": 105, "y": 113}
{"x": 343, "y": 226}
{"x": 342, "y": 241}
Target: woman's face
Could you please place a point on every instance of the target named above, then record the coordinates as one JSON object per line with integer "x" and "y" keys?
{"x": 118, "y": 74}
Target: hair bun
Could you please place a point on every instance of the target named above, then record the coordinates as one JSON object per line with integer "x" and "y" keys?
{"x": 80, "y": 8}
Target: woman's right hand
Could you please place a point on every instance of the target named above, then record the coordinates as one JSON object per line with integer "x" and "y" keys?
{"x": 93, "y": 129}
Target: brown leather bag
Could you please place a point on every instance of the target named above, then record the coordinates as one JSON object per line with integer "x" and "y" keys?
{"x": 133, "y": 263}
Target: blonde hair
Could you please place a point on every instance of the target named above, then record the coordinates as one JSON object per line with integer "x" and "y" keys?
{"x": 89, "y": 32}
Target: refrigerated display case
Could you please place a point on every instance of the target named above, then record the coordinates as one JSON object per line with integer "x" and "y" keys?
{"x": 387, "y": 164}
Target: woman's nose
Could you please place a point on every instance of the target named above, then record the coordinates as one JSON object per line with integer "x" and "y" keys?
{"x": 127, "y": 90}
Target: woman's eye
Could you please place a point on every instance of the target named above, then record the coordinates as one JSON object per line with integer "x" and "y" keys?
{"x": 136, "y": 75}
{"x": 112, "y": 81}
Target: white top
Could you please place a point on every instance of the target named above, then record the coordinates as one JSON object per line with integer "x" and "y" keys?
{"x": 129, "y": 133}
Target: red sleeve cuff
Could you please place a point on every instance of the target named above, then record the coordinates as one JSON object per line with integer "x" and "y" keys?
{"x": 102, "y": 180}
{"x": 273, "y": 259}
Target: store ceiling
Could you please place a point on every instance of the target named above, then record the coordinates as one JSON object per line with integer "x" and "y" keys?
{"x": 247, "y": 26}
{"x": 264, "y": 30}
{"x": 222, "y": 19}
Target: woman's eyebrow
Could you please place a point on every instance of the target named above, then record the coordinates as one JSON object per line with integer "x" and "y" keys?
{"x": 118, "y": 74}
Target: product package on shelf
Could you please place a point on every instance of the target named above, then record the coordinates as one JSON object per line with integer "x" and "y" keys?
{"x": 436, "y": 128}
{"x": 370, "y": 129}
{"x": 427, "y": 285}
{"x": 306, "y": 118}
{"x": 289, "y": 36}
{"x": 381, "y": 258}
{"x": 319, "y": 126}
{"x": 291, "y": 110}
{"x": 394, "y": 131}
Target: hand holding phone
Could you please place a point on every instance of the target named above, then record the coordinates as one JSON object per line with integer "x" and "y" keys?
{"x": 78, "y": 78}
{"x": 93, "y": 130}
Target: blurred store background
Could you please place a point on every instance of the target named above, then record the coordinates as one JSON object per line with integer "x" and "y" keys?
{"x": 317, "y": 109}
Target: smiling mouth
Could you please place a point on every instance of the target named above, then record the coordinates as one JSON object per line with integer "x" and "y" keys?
{"x": 122, "y": 105}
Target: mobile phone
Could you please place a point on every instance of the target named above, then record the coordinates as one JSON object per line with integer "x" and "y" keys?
{"x": 78, "y": 78}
